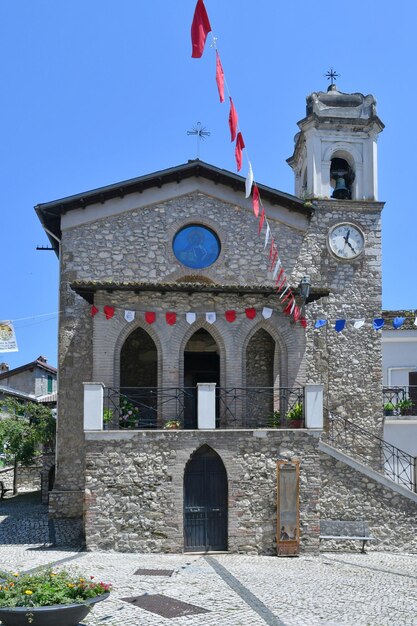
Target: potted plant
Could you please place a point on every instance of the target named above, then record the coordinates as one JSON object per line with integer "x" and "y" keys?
{"x": 48, "y": 598}
{"x": 405, "y": 406}
{"x": 172, "y": 425}
{"x": 389, "y": 408}
{"x": 107, "y": 417}
{"x": 295, "y": 416}
{"x": 274, "y": 420}
{"x": 129, "y": 414}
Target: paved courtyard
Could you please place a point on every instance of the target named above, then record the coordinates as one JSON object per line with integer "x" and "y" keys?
{"x": 336, "y": 588}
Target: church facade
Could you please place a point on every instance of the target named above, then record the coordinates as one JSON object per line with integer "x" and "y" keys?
{"x": 171, "y": 324}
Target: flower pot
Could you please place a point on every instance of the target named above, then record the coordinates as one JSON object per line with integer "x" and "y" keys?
{"x": 295, "y": 423}
{"x": 57, "y": 614}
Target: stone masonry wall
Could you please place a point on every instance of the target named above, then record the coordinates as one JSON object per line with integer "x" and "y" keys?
{"x": 134, "y": 487}
{"x": 348, "y": 494}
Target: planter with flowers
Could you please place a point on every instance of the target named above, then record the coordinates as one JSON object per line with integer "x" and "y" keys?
{"x": 48, "y": 598}
{"x": 172, "y": 425}
{"x": 129, "y": 414}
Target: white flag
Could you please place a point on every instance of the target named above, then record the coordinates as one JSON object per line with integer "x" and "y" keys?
{"x": 211, "y": 317}
{"x": 284, "y": 292}
{"x": 415, "y": 322}
{"x": 8, "y": 341}
{"x": 129, "y": 316}
{"x": 267, "y": 235}
{"x": 266, "y": 312}
{"x": 249, "y": 181}
{"x": 277, "y": 268}
{"x": 357, "y": 323}
{"x": 190, "y": 317}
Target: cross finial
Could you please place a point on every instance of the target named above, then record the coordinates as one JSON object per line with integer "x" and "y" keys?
{"x": 201, "y": 133}
{"x": 331, "y": 75}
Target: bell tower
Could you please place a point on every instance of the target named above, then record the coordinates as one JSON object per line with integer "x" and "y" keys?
{"x": 335, "y": 154}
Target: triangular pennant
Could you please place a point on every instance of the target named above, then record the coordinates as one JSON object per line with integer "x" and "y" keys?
{"x": 93, "y": 311}
{"x": 240, "y": 144}
{"x": 297, "y": 313}
{"x": 279, "y": 277}
{"x": 108, "y": 312}
{"x": 150, "y": 317}
{"x": 320, "y": 323}
{"x": 303, "y": 322}
{"x": 267, "y": 236}
{"x": 397, "y": 322}
{"x": 219, "y": 77}
{"x": 200, "y": 28}
{"x": 266, "y": 312}
{"x": 273, "y": 260}
{"x": 250, "y": 313}
{"x": 378, "y": 323}
{"x": 191, "y": 317}
{"x": 255, "y": 201}
{"x": 357, "y": 323}
{"x": 129, "y": 316}
{"x": 277, "y": 268}
{"x": 230, "y": 316}
{"x": 249, "y": 181}
{"x": 261, "y": 221}
{"x": 415, "y": 321}
{"x": 339, "y": 325}
{"x": 211, "y": 317}
{"x": 171, "y": 318}
{"x": 233, "y": 120}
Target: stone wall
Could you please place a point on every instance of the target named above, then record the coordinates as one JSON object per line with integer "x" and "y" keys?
{"x": 134, "y": 487}
{"x": 348, "y": 494}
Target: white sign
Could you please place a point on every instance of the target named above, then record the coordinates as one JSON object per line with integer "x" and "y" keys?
{"x": 8, "y": 341}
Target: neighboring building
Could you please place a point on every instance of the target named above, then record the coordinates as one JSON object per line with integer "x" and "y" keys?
{"x": 33, "y": 380}
{"x": 169, "y": 302}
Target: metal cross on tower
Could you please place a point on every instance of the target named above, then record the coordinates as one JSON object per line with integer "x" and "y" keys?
{"x": 331, "y": 75}
{"x": 201, "y": 133}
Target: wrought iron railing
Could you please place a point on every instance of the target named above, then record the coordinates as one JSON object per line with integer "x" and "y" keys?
{"x": 367, "y": 447}
{"x": 400, "y": 400}
{"x": 138, "y": 408}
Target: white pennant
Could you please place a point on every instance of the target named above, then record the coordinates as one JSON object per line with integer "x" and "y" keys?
{"x": 190, "y": 317}
{"x": 249, "y": 181}
{"x": 266, "y": 312}
{"x": 129, "y": 316}
{"x": 284, "y": 292}
{"x": 211, "y": 317}
{"x": 357, "y": 323}
{"x": 415, "y": 322}
{"x": 292, "y": 308}
{"x": 277, "y": 268}
{"x": 267, "y": 235}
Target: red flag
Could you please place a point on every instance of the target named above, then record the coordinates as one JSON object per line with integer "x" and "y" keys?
{"x": 220, "y": 77}
{"x": 171, "y": 318}
{"x": 303, "y": 322}
{"x": 288, "y": 308}
{"x": 261, "y": 220}
{"x": 250, "y": 313}
{"x": 272, "y": 248}
{"x": 274, "y": 258}
{"x": 230, "y": 316}
{"x": 255, "y": 200}
{"x": 199, "y": 30}
{"x": 150, "y": 317}
{"x": 289, "y": 294}
{"x": 108, "y": 312}
{"x": 240, "y": 144}
{"x": 297, "y": 313}
{"x": 278, "y": 280}
{"x": 93, "y": 311}
{"x": 232, "y": 120}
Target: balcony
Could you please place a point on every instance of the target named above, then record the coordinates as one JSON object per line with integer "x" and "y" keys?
{"x": 205, "y": 406}
{"x": 400, "y": 402}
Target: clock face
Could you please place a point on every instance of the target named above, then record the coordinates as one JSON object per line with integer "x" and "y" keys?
{"x": 346, "y": 241}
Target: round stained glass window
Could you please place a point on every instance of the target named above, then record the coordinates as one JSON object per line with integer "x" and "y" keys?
{"x": 196, "y": 246}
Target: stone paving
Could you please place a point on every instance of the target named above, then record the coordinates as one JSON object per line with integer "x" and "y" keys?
{"x": 377, "y": 589}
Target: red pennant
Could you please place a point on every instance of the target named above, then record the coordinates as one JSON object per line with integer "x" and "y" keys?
{"x": 250, "y": 313}
{"x": 93, "y": 311}
{"x": 303, "y": 322}
{"x": 150, "y": 317}
{"x": 274, "y": 258}
{"x": 261, "y": 221}
{"x": 200, "y": 28}
{"x": 279, "y": 277}
{"x": 171, "y": 318}
{"x": 220, "y": 77}
{"x": 255, "y": 200}
{"x": 230, "y": 316}
{"x": 240, "y": 144}
{"x": 282, "y": 283}
{"x": 289, "y": 295}
{"x": 272, "y": 248}
{"x": 288, "y": 308}
{"x": 232, "y": 120}
{"x": 297, "y": 313}
{"x": 108, "y": 312}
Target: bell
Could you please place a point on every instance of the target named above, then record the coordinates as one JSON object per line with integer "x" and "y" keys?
{"x": 341, "y": 192}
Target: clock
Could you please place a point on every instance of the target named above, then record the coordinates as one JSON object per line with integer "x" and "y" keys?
{"x": 346, "y": 241}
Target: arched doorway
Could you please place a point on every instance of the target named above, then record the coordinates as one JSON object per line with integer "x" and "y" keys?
{"x": 201, "y": 365}
{"x": 205, "y": 502}
{"x": 262, "y": 400}
{"x": 139, "y": 375}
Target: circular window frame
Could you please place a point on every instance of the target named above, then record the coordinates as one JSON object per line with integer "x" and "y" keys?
{"x": 206, "y": 228}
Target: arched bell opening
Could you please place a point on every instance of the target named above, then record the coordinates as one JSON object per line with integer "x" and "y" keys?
{"x": 201, "y": 365}
{"x": 139, "y": 380}
{"x": 262, "y": 380}
{"x": 342, "y": 176}
{"x": 205, "y": 502}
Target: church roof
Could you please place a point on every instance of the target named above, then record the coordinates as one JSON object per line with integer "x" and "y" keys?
{"x": 50, "y": 213}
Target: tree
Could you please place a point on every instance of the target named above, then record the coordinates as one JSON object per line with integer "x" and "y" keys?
{"x": 29, "y": 428}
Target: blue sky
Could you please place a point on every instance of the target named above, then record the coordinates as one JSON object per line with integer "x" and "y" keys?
{"x": 101, "y": 91}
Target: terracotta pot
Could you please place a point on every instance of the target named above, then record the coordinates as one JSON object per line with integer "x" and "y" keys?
{"x": 62, "y": 614}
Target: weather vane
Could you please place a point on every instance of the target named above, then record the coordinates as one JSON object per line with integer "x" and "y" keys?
{"x": 201, "y": 133}
{"x": 332, "y": 75}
